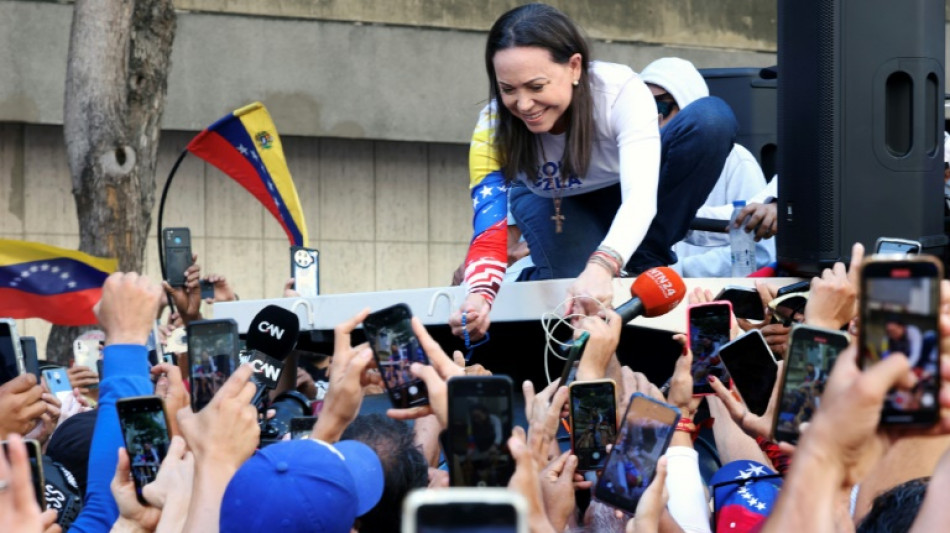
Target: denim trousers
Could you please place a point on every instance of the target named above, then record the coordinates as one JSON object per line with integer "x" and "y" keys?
{"x": 693, "y": 149}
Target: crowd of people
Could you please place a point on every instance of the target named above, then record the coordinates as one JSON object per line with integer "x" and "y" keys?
{"x": 594, "y": 172}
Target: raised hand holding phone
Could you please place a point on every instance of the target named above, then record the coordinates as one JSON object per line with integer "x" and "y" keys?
{"x": 709, "y": 329}
{"x": 593, "y": 408}
{"x": 20, "y": 512}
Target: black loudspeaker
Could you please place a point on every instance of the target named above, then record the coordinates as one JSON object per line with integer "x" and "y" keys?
{"x": 860, "y": 126}
{"x": 752, "y": 97}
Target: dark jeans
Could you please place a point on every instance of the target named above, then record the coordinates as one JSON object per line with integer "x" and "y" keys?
{"x": 694, "y": 146}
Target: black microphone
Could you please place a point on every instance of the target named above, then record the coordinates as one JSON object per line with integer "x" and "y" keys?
{"x": 271, "y": 337}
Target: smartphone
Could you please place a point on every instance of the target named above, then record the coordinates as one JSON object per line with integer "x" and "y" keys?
{"x": 900, "y": 303}
{"x": 35, "y": 455}
{"x": 58, "y": 382}
{"x": 710, "y": 326}
{"x": 575, "y": 349}
{"x": 798, "y": 286}
{"x": 177, "y": 246}
{"x": 31, "y": 359}
{"x": 145, "y": 430}
{"x": 746, "y": 301}
{"x": 465, "y": 510}
{"x": 891, "y": 245}
{"x": 207, "y": 289}
{"x": 480, "y": 420}
{"x": 753, "y": 369}
{"x": 812, "y": 353}
{"x": 395, "y": 348}
{"x": 11, "y": 352}
{"x": 647, "y": 429}
{"x": 593, "y": 406}
{"x": 305, "y": 269}
{"x": 302, "y": 426}
{"x": 86, "y": 353}
{"x": 212, "y": 356}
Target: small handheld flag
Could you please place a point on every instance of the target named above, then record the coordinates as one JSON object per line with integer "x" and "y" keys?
{"x": 245, "y": 146}
{"x": 55, "y": 284}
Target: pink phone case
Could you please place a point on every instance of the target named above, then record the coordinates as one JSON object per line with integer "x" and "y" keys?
{"x": 689, "y": 340}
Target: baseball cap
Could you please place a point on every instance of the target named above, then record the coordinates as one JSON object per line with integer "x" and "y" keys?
{"x": 744, "y": 493}
{"x": 303, "y": 485}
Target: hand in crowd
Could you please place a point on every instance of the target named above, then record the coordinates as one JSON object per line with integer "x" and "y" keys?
{"x": 652, "y": 503}
{"x": 477, "y": 319}
{"x": 170, "y": 387}
{"x": 144, "y": 517}
{"x": 222, "y": 290}
{"x": 680, "y": 394}
{"x": 543, "y": 411}
{"x": 526, "y": 479}
{"x": 590, "y": 292}
{"x": 73, "y": 404}
{"x": 305, "y": 384}
{"x": 128, "y": 308}
{"x": 85, "y": 379}
{"x": 225, "y": 432}
{"x": 187, "y": 299}
{"x": 172, "y": 489}
{"x": 48, "y": 420}
{"x": 767, "y": 293}
{"x": 349, "y": 373}
{"x": 750, "y": 423}
{"x": 601, "y": 346}
{"x": 435, "y": 375}
{"x": 19, "y": 510}
{"x": 760, "y": 218}
{"x": 833, "y": 299}
{"x": 289, "y": 291}
{"x": 21, "y": 405}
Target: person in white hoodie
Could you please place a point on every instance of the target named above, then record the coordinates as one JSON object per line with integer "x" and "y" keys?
{"x": 675, "y": 84}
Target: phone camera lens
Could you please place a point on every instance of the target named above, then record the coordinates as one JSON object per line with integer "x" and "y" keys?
{"x": 177, "y": 240}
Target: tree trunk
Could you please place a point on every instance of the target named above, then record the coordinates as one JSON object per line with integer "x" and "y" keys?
{"x": 116, "y": 80}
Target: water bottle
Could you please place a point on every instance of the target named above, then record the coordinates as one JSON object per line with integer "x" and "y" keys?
{"x": 742, "y": 244}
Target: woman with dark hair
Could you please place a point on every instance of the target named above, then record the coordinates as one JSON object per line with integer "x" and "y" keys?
{"x": 575, "y": 148}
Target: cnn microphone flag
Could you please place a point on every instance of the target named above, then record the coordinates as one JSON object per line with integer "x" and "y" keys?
{"x": 58, "y": 285}
{"x": 245, "y": 146}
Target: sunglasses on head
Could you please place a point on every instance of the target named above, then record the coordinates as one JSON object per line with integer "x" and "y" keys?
{"x": 664, "y": 106}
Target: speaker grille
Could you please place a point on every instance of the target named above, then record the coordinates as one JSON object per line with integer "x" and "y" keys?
{"x": 828, "y": 147}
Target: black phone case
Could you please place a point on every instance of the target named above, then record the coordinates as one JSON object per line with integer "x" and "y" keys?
{"x": 501, "y": 468}
{"x": 735, "y": 351}
{"x": 177, "y": 254}
{"x": 127, "y": 407}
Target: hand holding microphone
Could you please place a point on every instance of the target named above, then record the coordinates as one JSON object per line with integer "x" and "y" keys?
{"x": 655, "y": 292}
{"x": 271, "y": 337}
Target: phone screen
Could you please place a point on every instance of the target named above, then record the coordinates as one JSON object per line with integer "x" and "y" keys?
{"x": 302, "y": 426}
{"x": 177, "y": 247}
{"x": 746, "y": 302}
{"x": 812, "y": 353}
{"x": 36, "y": 469}
{"x": 145, "y": 429}
{"x": 575, "y": 350}
{"x": 480, "y": 419}
{"x": 12, "y": 364}
{"x": 752, "y": 368}
{"x": 593, "y": 422}
{"x": 900, "y": 302}
{"x": 395, "y": 348}
{"x": 212, "y": 356}
{"x": 305, "y": 269}
{"x": 709, "y": 326}
{"x": 466, "y": 517}
{"x": 647, "y": 429}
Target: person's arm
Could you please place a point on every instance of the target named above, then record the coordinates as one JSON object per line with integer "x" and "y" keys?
{"x": 633, "y": 121}
{"x": 487, "y": 257}
{"x": 126, "y": 373}
{"x": 687, "y": 504}
{"x": 128, "y": 306}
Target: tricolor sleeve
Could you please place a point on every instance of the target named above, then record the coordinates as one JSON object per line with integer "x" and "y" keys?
{"x": 487, "y": 256}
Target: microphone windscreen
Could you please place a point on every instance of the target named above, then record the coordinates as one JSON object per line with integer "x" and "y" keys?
{"x": 273, "y": 331}
{"x": 661, "y": 289}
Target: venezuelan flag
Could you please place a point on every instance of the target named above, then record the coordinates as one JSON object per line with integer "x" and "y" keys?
{"x": 55, "y": 284}
{"x": 245, "y": 146}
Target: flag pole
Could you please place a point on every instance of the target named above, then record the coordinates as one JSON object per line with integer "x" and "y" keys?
{"x": 161, "y": 211}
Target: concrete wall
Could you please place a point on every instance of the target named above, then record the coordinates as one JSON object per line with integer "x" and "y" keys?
{"x": 384, "y": 214}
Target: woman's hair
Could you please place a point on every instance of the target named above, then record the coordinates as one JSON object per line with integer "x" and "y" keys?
{"x": 541, "y": 26}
